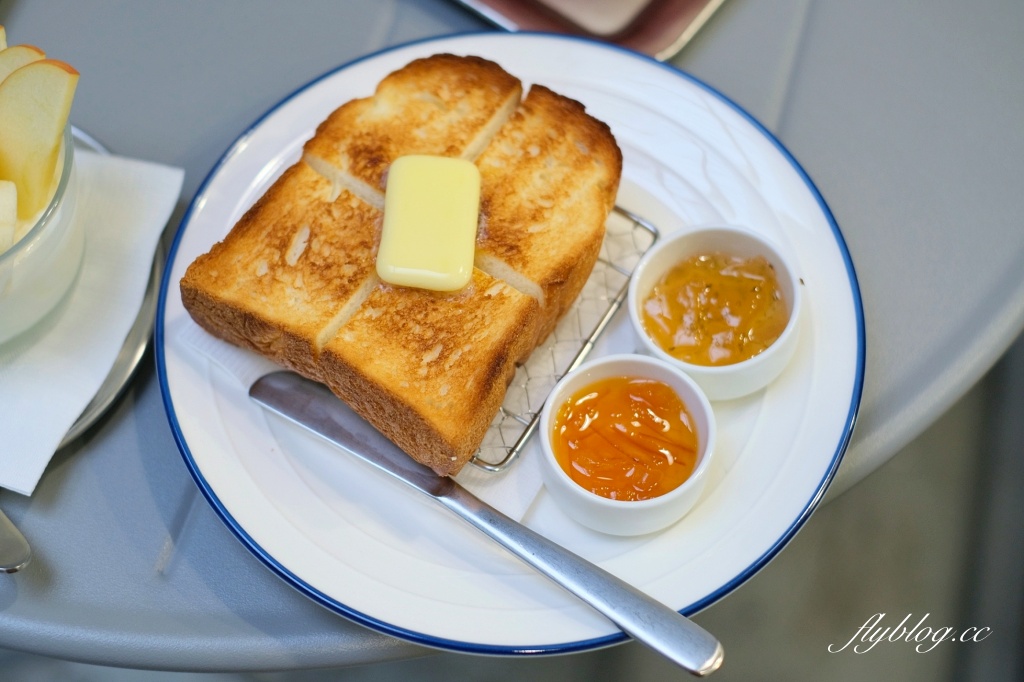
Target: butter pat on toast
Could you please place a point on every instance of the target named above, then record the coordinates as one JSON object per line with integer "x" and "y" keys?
{"x": 431, "y": 210}
{"x": 295, "y": 278}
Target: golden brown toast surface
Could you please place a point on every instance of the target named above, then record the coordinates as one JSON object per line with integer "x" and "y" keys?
{"x": 286, "y": 269}
{"x": 441, "y": 105}
{"x": 432, "y": 367}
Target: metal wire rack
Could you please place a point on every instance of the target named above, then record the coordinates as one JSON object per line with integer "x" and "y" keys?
{"x": 627, "y": 238}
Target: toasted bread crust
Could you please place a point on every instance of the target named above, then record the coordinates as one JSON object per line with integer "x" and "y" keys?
{"x": 295, "y": 279}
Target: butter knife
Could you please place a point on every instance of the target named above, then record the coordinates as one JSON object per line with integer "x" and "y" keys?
{"x": 314, "y": 407}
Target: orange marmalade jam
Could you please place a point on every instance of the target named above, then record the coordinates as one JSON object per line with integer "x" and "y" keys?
{"x": 625, "y": 438}
{"x": 716, "y": 309}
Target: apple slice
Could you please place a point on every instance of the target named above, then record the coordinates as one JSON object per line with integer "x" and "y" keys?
{"x": 3, "y": 38}
{"x": 17, "y": 56}
{"x": 35, "y": 102}
{"x": 8, "y": 213}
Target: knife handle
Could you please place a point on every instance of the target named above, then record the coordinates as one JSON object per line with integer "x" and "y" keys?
{"x": 15, "y": 552}
{"x": 645, "y": 619}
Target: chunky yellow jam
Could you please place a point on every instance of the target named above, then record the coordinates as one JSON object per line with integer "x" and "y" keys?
{"x": 716, "y": 309}
{"x": 625, "y": 438}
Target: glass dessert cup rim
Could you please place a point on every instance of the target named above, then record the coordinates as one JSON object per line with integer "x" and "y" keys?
{"x": 45, "y": 218}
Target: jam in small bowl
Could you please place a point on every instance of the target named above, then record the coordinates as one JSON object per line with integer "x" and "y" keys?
{"x": 721, "y": 303}
{"x": 627, "y": 441}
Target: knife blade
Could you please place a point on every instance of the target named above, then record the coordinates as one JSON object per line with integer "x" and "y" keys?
{"x": 314, "y": 407}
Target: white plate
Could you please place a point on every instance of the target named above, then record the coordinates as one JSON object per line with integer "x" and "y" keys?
{"x": 360, "y": 545}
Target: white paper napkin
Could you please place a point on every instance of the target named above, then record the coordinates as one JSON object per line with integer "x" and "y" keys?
{"x": 124, "y": 205}
{"x": 510, "y": 492}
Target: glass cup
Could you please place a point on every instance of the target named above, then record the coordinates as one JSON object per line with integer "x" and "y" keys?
{"x": 37, "y": 271}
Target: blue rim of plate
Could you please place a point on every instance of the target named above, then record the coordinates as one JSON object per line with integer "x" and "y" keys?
{"x": 468, "y": 647}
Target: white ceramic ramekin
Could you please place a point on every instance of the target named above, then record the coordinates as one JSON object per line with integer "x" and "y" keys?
{"x": 720, "y": 382}
{"x": 621, "y": 517}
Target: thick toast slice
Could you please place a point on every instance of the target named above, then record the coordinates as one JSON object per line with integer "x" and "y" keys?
{"x": 548, "y": 181}
{"x": 441, "y": 105}
{"x": 294, "y": 280}
{"x": 428, "y": 369}
{"x": 290, "y": 271}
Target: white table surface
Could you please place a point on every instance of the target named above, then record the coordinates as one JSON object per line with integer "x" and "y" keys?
{"x": 909, "y": 122}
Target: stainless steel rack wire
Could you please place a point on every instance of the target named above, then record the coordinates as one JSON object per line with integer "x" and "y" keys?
{"x": 627, "y": 238}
